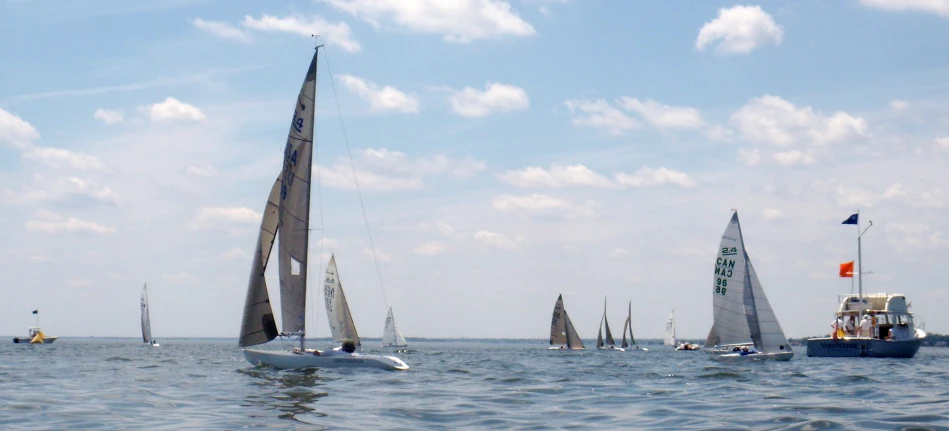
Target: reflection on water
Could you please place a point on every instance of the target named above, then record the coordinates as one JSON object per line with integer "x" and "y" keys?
{"x": 292, "y": 393}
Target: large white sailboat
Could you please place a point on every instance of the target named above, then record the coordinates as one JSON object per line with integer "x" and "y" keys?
{"x": 287, "y": 217}
{"x": 146, "y": 320}
{"x": 391, "y": 335}
{"x": 744, "y": 325}
{"x": 563, "y": 336}
{"x": 608, "y": 343}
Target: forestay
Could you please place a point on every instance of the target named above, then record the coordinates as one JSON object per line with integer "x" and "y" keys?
{"x": 391, "y": 335}
{"x": 294, "y": 208}
{"x": 337, "y": 309}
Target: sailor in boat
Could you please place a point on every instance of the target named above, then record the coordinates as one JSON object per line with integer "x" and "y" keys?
{"x": 865, "y": 326}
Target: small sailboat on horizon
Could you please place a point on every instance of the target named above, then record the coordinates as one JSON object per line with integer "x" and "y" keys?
{"x": 670, "y": 335}
{"x": 146, "y": 320}
{"x": 391, "y": 335}
{"x": 563, "y": 336}
{"x": 744, "y": 325}
{"x": 608, "y": 343}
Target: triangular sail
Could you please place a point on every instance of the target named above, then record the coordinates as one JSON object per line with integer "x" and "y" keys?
{"x": 599, "y": 334}
{"x": 730, "y": 325}
{"x": 628, "y": 324}
{"x": 606, "y": 323}
{"x": 670, "y": 338}
{"x": 558, "y": 324}
{"x": 573, "y": 339}
{"x": 146, "y": 319}
{"x": 258, "y": 325}
{"x": 770, "y": 338}
{"x": 391, "y": 335}
{"x": 294, "y": 208}
{"x": 337, "y": 309}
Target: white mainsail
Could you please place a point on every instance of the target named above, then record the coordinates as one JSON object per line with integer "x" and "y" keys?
{"x": 146, "y": 320}
{"x": 294, "y": 208}
{"x": 258, "y": 325}
{"x": 741, "y": 312}
{"x": 391, "y": 335}
{"x": 670, "y": 339}
{"x": 337, "y": 309}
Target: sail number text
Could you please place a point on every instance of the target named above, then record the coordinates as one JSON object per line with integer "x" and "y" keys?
{"x": 289, "y": 162}
{"x": 723, "y": 272}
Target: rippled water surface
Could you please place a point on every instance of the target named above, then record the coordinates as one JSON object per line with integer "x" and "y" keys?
{"x": 207, "y": 384}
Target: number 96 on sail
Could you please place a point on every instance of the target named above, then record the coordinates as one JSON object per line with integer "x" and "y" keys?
{"x": 720, "y": 285}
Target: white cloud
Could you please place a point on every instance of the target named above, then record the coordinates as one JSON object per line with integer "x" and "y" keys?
{"x": 498, "y": 240}
{"x": 205, "y": 171}
{"x": 617, "y": 253}
{"x": 45, "y": 221}
{"x": 794, "y": 157}
{"x": 941, "y": 145}
{"x": 385, "y": 170}
{"x": 938, "y": 7}
{"x": 772, "y": 214}
{"x": 58, "y": 158}
{"x": 68, "y": 189}
{"x": 749, "y": 157}
{"x": 224, "y": 217}
{"x": 899, "y": 105}
{"x": 382, "y": 257}
{"x": 220, "y": 29}
{"x": 235, "y": 253}
{"x": 458, "y": 20}
{"x": 773, "y": 120}
{"x": 171, "y": 110}
{"x": 649, "y": 177}
{"x": 545, "y": 206}
{"x": 719, "y": 133}
{"x": 337, "y": 34}
{"x": 108, "y": 116}
{"x": 663, "y": 116}
{"x": 471, "y": 102}
{"x": 16, "y": 132}
{"x": 385, "y": 99}
{"x": 557, "y": 176}
{"x": 600, "y": 114}
{"x": 431, "y": 248}
{"x": 739, "y": 30}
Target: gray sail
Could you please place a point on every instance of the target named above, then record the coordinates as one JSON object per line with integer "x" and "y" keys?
{"x": 730, "y": 324}
{"x": 258, "y": 325}
{"x": 599, "y": 334}
{"x": 751, "y": 312}
{"x": 294, "y": 208}
{"x": 770, "y": 336}
{"x": 337, "y": 309}
{"x": 573, "y": 339}
{"x": 558, "y": 324}
{"x": 146, "y": 319}
{"x": 606, "y": 323}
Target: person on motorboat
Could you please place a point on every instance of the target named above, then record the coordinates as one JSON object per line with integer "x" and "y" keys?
{"x": 864, "y": 330}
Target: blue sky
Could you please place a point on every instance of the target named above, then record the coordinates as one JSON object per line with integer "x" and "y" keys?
{"x": 509, "y": 151}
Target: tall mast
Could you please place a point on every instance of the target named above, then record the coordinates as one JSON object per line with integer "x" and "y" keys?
{"x": 860, "y": 260}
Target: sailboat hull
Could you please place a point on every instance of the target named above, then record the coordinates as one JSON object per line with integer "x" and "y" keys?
{"x": 46, "y": 340}
{"x": 760, "y": 356}
{"x": 293, "y": 361}
{"x": 565, "y": 348}
{"x": 618, "y": 349}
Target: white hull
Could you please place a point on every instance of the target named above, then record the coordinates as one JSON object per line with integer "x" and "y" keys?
{"x": 563, "y": 348}
{"x": 46, "y": 340}
{"x": 759, "y": 356}
{"x": 292, "y": 361}
{"x": 618, "y": 349}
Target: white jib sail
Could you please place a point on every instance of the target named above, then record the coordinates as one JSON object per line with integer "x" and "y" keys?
{"x": 392, "y": 336}
{"x": 146, "y": 320}
{"x": 730, "y": 325}
{"x": 670, "y": 339}
{"x": 337, "y": 309}
{"x": 772, "y": 337}
{"x": 258, "y": 325}
{"x": 294, "y": 209}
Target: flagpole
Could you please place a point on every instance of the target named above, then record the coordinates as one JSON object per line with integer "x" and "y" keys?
{"x": 859, "y": 265}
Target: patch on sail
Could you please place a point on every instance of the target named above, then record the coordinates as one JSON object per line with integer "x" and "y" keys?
{"x": 294, "y": 266}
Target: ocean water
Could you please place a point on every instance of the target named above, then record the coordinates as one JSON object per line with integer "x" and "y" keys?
{"x": 486, "y": 384}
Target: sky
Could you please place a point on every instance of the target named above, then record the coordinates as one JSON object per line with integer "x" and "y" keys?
{"x": 506, "y": 151}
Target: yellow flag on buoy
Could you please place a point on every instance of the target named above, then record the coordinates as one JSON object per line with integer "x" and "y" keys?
{"x": 38, "y": 338}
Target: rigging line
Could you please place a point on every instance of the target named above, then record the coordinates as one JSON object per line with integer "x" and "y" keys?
{"x": 352, "y": 165}
{"x": 314, "y": 312}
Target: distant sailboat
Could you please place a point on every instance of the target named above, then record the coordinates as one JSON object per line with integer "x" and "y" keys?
{"x": 146, "y": 320}
{"x": 608, "y": 343}
{"x": 744, "y": 325}
{"x": 670, "y": 338}
{"x": 287, "y": 216}
{"x": 562, "y": 333}
{"x": 628, "y": 325}
{"x": 391, "y": 335}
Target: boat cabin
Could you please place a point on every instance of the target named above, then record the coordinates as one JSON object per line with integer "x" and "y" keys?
{"x": 889, "y": 315}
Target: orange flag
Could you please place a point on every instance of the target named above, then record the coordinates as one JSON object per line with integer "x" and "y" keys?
{"x": 846, "y": 269}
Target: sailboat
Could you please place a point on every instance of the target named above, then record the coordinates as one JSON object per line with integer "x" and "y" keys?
{"x": 628, "y": 325}
{"x": 744, "y": 325}
{"x": 562, "y": 333}
{"x": 391, "y": 335}
{"x": 670, "y": 338}
{"x": 608, "y": 343}
{"x": 146, "y": 320}
{"x": 287, "y": 216}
